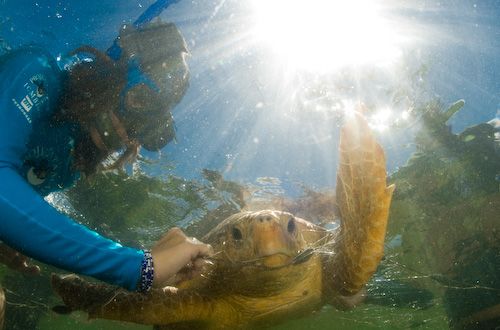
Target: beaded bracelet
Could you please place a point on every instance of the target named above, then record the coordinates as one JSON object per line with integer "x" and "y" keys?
{"x": 147, "y": 272}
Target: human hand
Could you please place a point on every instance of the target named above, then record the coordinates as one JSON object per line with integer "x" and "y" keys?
{"x": 17, "y": 261}
{"x": 177, "y": 257}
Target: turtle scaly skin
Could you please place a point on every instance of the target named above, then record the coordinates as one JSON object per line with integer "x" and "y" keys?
{"x": 269, "y": 265}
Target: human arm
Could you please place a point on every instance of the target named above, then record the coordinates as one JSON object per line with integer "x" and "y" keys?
{"x": 33, "y": 227}
{"x": 30, "y": 225}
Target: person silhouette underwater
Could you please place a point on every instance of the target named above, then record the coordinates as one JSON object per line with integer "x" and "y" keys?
{"x": 60, "y": 119}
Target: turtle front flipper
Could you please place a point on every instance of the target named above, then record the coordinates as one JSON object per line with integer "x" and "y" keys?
{"x": 363, "y": 200}
{"x": 157, "y": 307}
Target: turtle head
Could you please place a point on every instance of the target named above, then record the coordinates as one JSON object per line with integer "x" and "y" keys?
{"x": 266, "y": 238}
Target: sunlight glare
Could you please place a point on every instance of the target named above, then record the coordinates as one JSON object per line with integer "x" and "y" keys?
{"x": 325, "y": 34}
{"x": 380, "y": 120}
{"x": 349, "y": 107}
{"x": 405, "y": 115}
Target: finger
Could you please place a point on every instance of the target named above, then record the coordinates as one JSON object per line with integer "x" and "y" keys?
{"x": 195, "y": 265}
{"x": 201, "y": 264}
{"x": 193, "y": 240}
{"x": 196, "y": 250}
{"x": 205, "y": 250}
{"x": 170, "y": 289}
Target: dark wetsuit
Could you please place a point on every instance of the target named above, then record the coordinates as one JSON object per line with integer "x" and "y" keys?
{"x": 36, "y": 159}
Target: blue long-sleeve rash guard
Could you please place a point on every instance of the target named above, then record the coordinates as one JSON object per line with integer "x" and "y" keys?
{"x": 36, "y": 159}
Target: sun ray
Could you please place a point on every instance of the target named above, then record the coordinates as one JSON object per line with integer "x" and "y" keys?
{"x": 324, "y": 34}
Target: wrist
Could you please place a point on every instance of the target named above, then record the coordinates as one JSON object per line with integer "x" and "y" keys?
{"x": 147, "y": 273}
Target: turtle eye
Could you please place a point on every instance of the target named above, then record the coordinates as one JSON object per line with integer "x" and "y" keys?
{"x": 237, "y": 234}
{"x": 291, "y": 226}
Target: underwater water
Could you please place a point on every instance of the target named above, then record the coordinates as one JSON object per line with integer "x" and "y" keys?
{"x": 270, "y": 82}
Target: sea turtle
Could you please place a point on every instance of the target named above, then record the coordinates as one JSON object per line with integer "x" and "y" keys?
{"x": 269, "y": 265}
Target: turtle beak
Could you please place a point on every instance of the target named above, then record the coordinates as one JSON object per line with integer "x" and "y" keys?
{"x": 272, "y": 242}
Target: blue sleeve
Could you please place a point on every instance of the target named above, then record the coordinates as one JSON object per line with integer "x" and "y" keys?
{"x": 30, "y": 225}
{"x": 27, "y": 222}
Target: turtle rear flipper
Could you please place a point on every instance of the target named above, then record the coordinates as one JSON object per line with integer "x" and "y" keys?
{"x": 363, "y": 200}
